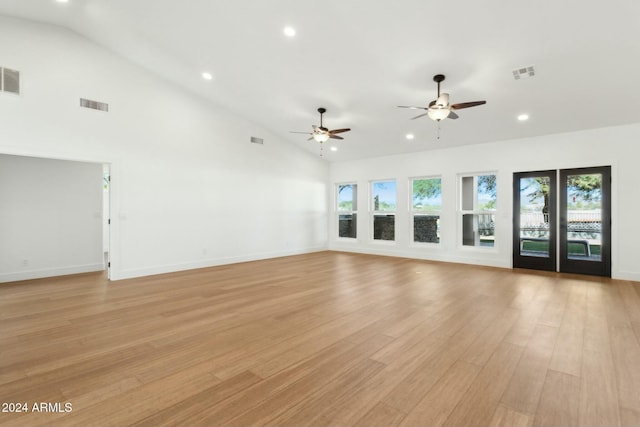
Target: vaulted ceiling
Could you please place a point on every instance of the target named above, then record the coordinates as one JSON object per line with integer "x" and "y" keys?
{"x": 361, "y": 59}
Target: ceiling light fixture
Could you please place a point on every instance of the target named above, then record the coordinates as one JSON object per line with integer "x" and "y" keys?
{"x": 289, "y": 31}
{"x": 321, "y": 136}
{"x": 439, "y": 109}
{"x": 62, "y": 1}
{"x": 523, "y": 117}
{"x": 207, "y": 76}
{"x": 438, "y": 114}
{"x": 334, "y": 148}
{"x": 409, "y": 136}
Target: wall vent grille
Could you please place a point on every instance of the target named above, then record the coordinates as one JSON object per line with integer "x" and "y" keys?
{"x": 9, "y": 80}
{"x": 94, "y": 105}
{"x": 256, "y": 140}
{"x": 524, "y": 72}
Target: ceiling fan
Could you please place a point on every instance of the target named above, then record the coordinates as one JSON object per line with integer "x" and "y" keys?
{"x": 322, "y": 134}
{"x": 440, "y": 108}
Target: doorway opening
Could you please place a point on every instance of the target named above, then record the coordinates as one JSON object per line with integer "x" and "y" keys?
{"x": 55, "y": 217}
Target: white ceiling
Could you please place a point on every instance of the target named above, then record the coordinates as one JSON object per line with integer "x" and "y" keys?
{"x": 362, "y": 58}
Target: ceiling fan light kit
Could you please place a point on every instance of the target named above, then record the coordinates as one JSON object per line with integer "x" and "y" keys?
{"x": 438, "y": 114}
{"x": 437, "y": 110}
{"x": 440, "y": 108}
{"x": 322, "y": 134}
{"x": 321, "y": 137}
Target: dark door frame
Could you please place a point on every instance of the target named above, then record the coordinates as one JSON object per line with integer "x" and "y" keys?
{"x": 547, "y": 263}
{"x": 579, "y": 266}
{"x": 558, "y": 223}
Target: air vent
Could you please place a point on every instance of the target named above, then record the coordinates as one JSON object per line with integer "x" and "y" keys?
{"x": 524, "y": 72}
{"x": 9, "y": 80}
{"x": 256, "y": 140}
{"x": 94, "y": 105}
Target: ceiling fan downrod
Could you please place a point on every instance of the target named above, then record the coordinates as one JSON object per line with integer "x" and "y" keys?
{"x": 321, "y": 110}
{"x": 438, "y": 78}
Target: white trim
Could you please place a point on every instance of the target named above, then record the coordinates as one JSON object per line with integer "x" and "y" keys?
{"x": 50, "y": 272}
{"x": 213, "y": 262}
{"x": 413, "y": 213}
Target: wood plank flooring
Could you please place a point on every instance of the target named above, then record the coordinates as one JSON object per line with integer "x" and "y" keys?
{"x": 323, "y": 339}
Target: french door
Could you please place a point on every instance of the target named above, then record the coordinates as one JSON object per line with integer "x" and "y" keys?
{"x": 534, "y": 220}
{"x": 562, "y": 220}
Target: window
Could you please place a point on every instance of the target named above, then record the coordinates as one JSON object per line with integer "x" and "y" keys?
{"x": 478, "y": 207}
{"x": 426, "y": 205}
{"x": 383, "y": 202}
{"x": 347, "y": 209}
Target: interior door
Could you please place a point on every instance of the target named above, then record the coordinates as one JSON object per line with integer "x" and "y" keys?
{"x": 585, "y": 221}
{"x": 534, "y": 220}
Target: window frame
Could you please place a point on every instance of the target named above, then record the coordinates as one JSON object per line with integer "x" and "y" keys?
{"x": 475, "y": 211}
{"x": 413, "y": 213}
{"x": 373, "y": 212}
{"x": 339, "y": 212}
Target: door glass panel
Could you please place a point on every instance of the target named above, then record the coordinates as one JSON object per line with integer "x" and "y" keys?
{"x": 584, "y": 217}
{"x": 534, "y": 216}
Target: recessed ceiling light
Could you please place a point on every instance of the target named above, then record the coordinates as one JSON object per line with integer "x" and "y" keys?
{"x": 62, "y": 1}
{"x": 409, "y": 136}
{"x": 523, "y": 117}
{"x": 334, "y": 148}
{"x": 207, "y": 76}
{"x": 289, "y": 31}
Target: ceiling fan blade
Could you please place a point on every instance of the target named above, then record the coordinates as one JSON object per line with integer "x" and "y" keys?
{"x": 413, "y": 108}
{"x": 332, "y": 132}
{"x": 310, "y": 139}
{"x": 452, "y": 115}
{"x": 467, "y": 105}
{"x": 432, "y": 103}
{"x": 421, "y": 115}
{"x": 335, "y": 137}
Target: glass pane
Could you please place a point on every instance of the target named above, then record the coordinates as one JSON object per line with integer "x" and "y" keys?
{"x": 384, "y": 227}
{"x": 348, "y": 197}
{"x": 487, "y": 195}
{"x": 427, "y": 195}
{"x": 467, "y": 193}
{"x": 478, "y": 230}
{"x": 584, "y": 216}
{"x": 347, "y": 225}
{"x": 534, "y": 216}
{"x": 426, "y": 228}
{"x": 384, "y": 196}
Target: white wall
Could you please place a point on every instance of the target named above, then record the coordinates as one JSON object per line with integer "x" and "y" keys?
{"x": 50, "y": 217}
{"x": 188, "y": 189}
{"x": 615, "y": 146}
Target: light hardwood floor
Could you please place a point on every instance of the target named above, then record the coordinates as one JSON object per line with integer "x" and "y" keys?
{"x": 327, "y": 338}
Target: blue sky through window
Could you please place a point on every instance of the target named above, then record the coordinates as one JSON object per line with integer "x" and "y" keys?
{"x": 346, "y": 197}
{"x": 386, "y": 193}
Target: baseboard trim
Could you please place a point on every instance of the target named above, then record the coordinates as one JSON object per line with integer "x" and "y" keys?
{"x": 626, "y": 275}
{"x": 173, "y": 268}
{"x": 50, "y": 272}
{"x": 427, "y": 256}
